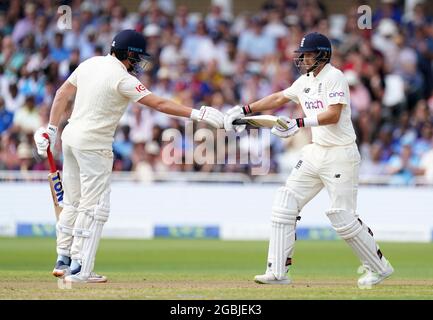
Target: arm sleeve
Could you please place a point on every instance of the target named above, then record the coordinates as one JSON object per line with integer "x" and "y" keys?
{"x": 292, "y": 92}
{"x": 73, "y": 77}
{"x": 132, "y": 88}
{"x": 338, "y": 90}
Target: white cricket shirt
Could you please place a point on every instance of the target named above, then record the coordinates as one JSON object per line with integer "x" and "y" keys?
{"x": 104, "y": 89}
{"x": 316, "y": 94}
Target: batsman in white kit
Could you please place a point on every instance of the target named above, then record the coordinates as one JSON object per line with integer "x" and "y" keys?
{"x": 103, "y": 87}
{"x": 331, "y": 161}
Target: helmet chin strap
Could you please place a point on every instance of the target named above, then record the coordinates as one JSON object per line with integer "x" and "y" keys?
{"x": 316, "y": 64}
{"x": 312, "y": 68}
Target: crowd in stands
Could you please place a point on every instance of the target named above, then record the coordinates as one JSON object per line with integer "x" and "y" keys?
{"x": 222, "y": 59}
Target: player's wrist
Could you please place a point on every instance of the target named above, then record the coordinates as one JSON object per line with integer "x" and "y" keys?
{"x": 52, "y": 129}
{"x": 246, "y": 109}
{"x": 307, "y": 122}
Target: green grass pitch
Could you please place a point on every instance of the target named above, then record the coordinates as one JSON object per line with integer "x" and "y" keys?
{"x": 211, "y": 269}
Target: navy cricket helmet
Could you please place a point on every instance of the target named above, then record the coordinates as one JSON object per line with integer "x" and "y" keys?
{"x": 131, "y": 45}
{"x": 313, "y": 42}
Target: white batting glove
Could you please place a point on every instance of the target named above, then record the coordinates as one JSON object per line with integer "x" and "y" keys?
{"x": 210, "y": 115}
{"x": 281, "y": 131}
{"x": 42, "y": 143}
{"x": 233, "y": 114}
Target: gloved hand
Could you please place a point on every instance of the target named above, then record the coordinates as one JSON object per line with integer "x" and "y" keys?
{"x": 283, "y": 132}
{"x": 233, "y": 114}
{"x": 42, "y": 143}
{"x": 210, "y": 115}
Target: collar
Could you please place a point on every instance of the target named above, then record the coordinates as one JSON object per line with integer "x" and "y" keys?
{"x": 323, "y": 72}
{"x": 117, "y": 61}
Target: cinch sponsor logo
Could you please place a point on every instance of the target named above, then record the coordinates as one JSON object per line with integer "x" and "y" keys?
{"x": 314, "y": 104}
{"x": 336, "y": 94}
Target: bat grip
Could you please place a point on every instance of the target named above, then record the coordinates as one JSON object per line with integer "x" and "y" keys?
{"x": 50, "y": 155}
{"x": 239, "y": 121}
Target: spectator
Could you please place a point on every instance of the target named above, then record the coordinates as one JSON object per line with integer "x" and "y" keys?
{"x": 27, "y": 118}
{"x": 10, "y": 59}
{"x": 123, "y": 147}
{"x": 171, "y": 55}
{"x": 6, "y": 117}
{"x": 359, "y": 96}
{"x": 404, "y": 166}
{"x": 254, "y": 44}
{"x": 25, "y": 156}
{"x": 57, "y": 51}
{"x": 426, "y": 166}
{"x": 25, "y": 25}
{"x": 225, "y": 60}
{"x": 14, "y": 100}
{"x": 372, "y": 164}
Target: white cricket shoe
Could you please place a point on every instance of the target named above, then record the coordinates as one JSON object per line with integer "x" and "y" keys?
{"x": 92, "y": 278}
{"x": 371, "y": 278}
{"x": 269, "y": 278}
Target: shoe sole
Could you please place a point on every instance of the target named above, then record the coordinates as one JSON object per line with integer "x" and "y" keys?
{"x": 104, "y": 280}
{"x": 91, "y": 280}
{"x": 278, "y": 282}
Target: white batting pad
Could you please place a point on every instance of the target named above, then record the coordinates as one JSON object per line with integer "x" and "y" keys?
{"x": 64, "y": 229}
{"x": 90, "y": 243}
{"x": 359, "y": 238}
{"x": 282, "y": 239}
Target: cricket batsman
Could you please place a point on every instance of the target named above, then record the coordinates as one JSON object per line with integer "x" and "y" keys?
{"x": 103, "y": 87}
{"x": 331, "y": 161}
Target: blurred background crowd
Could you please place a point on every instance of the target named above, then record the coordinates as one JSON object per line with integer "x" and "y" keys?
{"x": 222, "y": 59}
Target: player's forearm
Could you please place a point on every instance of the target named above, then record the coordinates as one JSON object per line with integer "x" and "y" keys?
{"x": 270, "y": 102}
{"x": 327, "y": 117}
{"x": 57, "y": 110}
{"x": 173, "y": 108}
{"x": 61, "y": 99}
{"x": 330, "y": 116}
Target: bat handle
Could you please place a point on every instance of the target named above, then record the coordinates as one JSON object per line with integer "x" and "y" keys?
{"x": 50, "y": 155}
{"x": 239, "y": 121}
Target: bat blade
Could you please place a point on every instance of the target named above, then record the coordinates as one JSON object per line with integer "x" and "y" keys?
{"x": 262, "y": 121}
{"x": 55, "y": 182}
{"x": 57, "y": 192}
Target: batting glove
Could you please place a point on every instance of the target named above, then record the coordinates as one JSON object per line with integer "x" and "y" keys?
{"x": 210, "y": 115}
{"x": 42, "y": 143}
{"x": 283, "y": 131}
{"x": 235, "y": 113}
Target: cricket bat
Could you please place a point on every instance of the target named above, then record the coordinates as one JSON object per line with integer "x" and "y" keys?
{"x": 55, "y": 182}
{"x": 262, "y": 121}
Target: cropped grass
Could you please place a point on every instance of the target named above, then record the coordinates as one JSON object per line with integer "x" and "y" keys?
{"x": 212, "y": 269}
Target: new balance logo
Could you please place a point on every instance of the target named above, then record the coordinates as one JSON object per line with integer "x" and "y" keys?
{"x": 298, "y": 165}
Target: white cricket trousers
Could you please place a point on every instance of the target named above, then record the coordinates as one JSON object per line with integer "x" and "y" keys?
{"x": 336, "y": 168}
{"x": 86, "y": 177}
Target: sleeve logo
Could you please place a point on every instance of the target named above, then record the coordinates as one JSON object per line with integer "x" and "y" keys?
{"x": 336, "y": 94}
{"x": 140, "y": 88}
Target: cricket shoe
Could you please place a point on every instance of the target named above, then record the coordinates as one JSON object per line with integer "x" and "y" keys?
{"x": 371, "y": 278}
{"x": 92, "y": 278}
{"x": 269, "y": 278}
{"x": 61, "y": 269}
